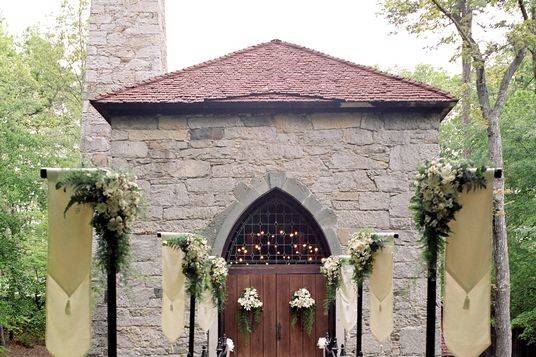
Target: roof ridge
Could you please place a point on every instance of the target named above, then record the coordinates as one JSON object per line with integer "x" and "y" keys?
{"x": 367, "y": 68}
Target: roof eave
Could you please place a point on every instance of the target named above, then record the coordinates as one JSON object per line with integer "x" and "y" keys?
{"x": 111, "y": 109}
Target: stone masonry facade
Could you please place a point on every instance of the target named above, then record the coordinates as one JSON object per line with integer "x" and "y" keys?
{"x": 194, "y": 169}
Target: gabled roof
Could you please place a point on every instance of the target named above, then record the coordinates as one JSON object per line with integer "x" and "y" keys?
{"x": 277, "y": 71}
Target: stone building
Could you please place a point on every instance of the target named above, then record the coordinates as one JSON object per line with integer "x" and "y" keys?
{"x": 272, "y": 142}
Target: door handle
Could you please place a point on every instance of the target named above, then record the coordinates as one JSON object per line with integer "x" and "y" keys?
{"x": 278, "y": 331}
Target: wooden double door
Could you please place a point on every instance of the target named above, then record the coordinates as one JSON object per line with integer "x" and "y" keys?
{"x": 274, "y": 335}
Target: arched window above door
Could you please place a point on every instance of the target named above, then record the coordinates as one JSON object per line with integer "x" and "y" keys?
{"x": 276, "y": 229}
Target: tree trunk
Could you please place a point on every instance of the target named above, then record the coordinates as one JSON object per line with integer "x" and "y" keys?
{"x": 500, "y": 243}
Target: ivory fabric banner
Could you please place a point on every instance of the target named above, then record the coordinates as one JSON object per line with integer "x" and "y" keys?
{"x": 68, "y": 320}
{"x": 173, "y": 291}
{"x": 381, "y": 293}
{"x": 207, "y": 312}
{"x": 347, "y": 298}
{"x": 466, "y": 318}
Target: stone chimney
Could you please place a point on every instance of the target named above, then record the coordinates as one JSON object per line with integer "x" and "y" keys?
{"x": 127, "y": 44}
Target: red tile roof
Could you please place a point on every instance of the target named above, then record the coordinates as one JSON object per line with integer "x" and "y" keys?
{"x": 276, "y": 71}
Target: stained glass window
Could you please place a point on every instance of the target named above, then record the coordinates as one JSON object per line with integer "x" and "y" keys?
{"x": 276, "y": 229}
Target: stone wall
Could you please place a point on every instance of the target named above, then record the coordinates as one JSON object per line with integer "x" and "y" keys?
{"x": 193, "y": 169}
{"x": 126, "y": 45}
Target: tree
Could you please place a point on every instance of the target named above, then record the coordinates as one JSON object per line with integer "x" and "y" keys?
{"x": 40, "y": 111}
{"x": 431, "y": 15}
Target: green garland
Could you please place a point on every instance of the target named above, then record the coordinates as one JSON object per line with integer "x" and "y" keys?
{"x": 331, "y": 269}
{"x": 436, "y": 200}
{"x": 115, "y": 201}
{"x": 302, "y": 307}
{"x": 362, "y": 246}
{"x": 218, "y": 272}
{"x": 249, "y": 310}
{"x": 194, "y": 265}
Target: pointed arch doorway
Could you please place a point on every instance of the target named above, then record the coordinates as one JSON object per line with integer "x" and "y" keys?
{"x": 276, "y": 246}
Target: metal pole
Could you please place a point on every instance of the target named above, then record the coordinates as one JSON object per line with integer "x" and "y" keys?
{"x": 431, "y": 295}
{"x": 192, "y": 326}
{"x": 359, "y": 328}
{"x": 111, "y": 302}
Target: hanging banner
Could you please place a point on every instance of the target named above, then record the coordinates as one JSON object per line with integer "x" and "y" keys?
{"x": 173, "y": 291}
{"x": 347, "y": 298}
{"x": 68, "y": 318}
{"x": 466, "y": 318}
{"x": 381, "y": 293}
{"x": 207, "y": 312}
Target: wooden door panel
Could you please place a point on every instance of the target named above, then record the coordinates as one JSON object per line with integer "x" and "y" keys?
{"x": 230, "y": 318}
{"x": 243, "y": 344}
{"x": 269, "y": 318}
{"x": 309, "y": 342}
{"x": 295, "y": 283}
{"x": 321, "y": 319}
{"x": 256, "y": 339}
{"x": 283, "y": 316}
{"x": 275, "y": 289}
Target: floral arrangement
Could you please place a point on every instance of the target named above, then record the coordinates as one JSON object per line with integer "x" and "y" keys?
{"x": 229, "y": 344}
{"x": 436, "y": 200}
{"x": 194, "y": 265}
{"x": 361, "y": 247}
{"x": 115, "y": 199}
{"x": 302, "y": 307}
{"x": 322, "y": 343}
{"x": 217, "y": 273}
{"x": 250, "y": 310}
{"x": 331, "y": 269}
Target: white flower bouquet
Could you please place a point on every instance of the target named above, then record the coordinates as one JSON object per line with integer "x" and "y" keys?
{"x": 302, "y": 307}
{"x": 115, "y": 198}
{"x": 249, "y": 311}
{"x": 194, "y": 265}
{"x": 436, "y": 199}
{"x": 361, "y": 247}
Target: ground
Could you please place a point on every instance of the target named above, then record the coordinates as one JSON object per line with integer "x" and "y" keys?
{"x": 17, "y": 350}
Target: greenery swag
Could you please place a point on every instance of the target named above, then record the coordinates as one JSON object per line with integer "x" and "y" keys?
{"x": 331, "y": 269}
{"x": 115, "y": 200}
{"x": 217, "y": 273}
{"x": 302, "y": 307}
{"x": 361, "y": 247}
{"x": 249, "y": 310}
{"x": 436, "y": 200}
{"x": 202, "y": 272}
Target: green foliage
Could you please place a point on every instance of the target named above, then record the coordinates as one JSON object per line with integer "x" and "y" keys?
{"x": 40, "y": 107}
{"x": 305, "y": 315}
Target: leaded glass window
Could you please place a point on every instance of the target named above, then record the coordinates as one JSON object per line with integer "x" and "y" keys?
{"x": 276, "y": 229}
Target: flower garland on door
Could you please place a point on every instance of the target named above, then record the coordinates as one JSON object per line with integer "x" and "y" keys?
{"x": 249, "y": 310}
{"x": 436, "y": 200}
{"x": 115, "y": 199}
{"x": 302, "y": 307}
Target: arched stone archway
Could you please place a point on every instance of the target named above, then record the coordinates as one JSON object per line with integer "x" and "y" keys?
{"x": 246, "y": 194}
